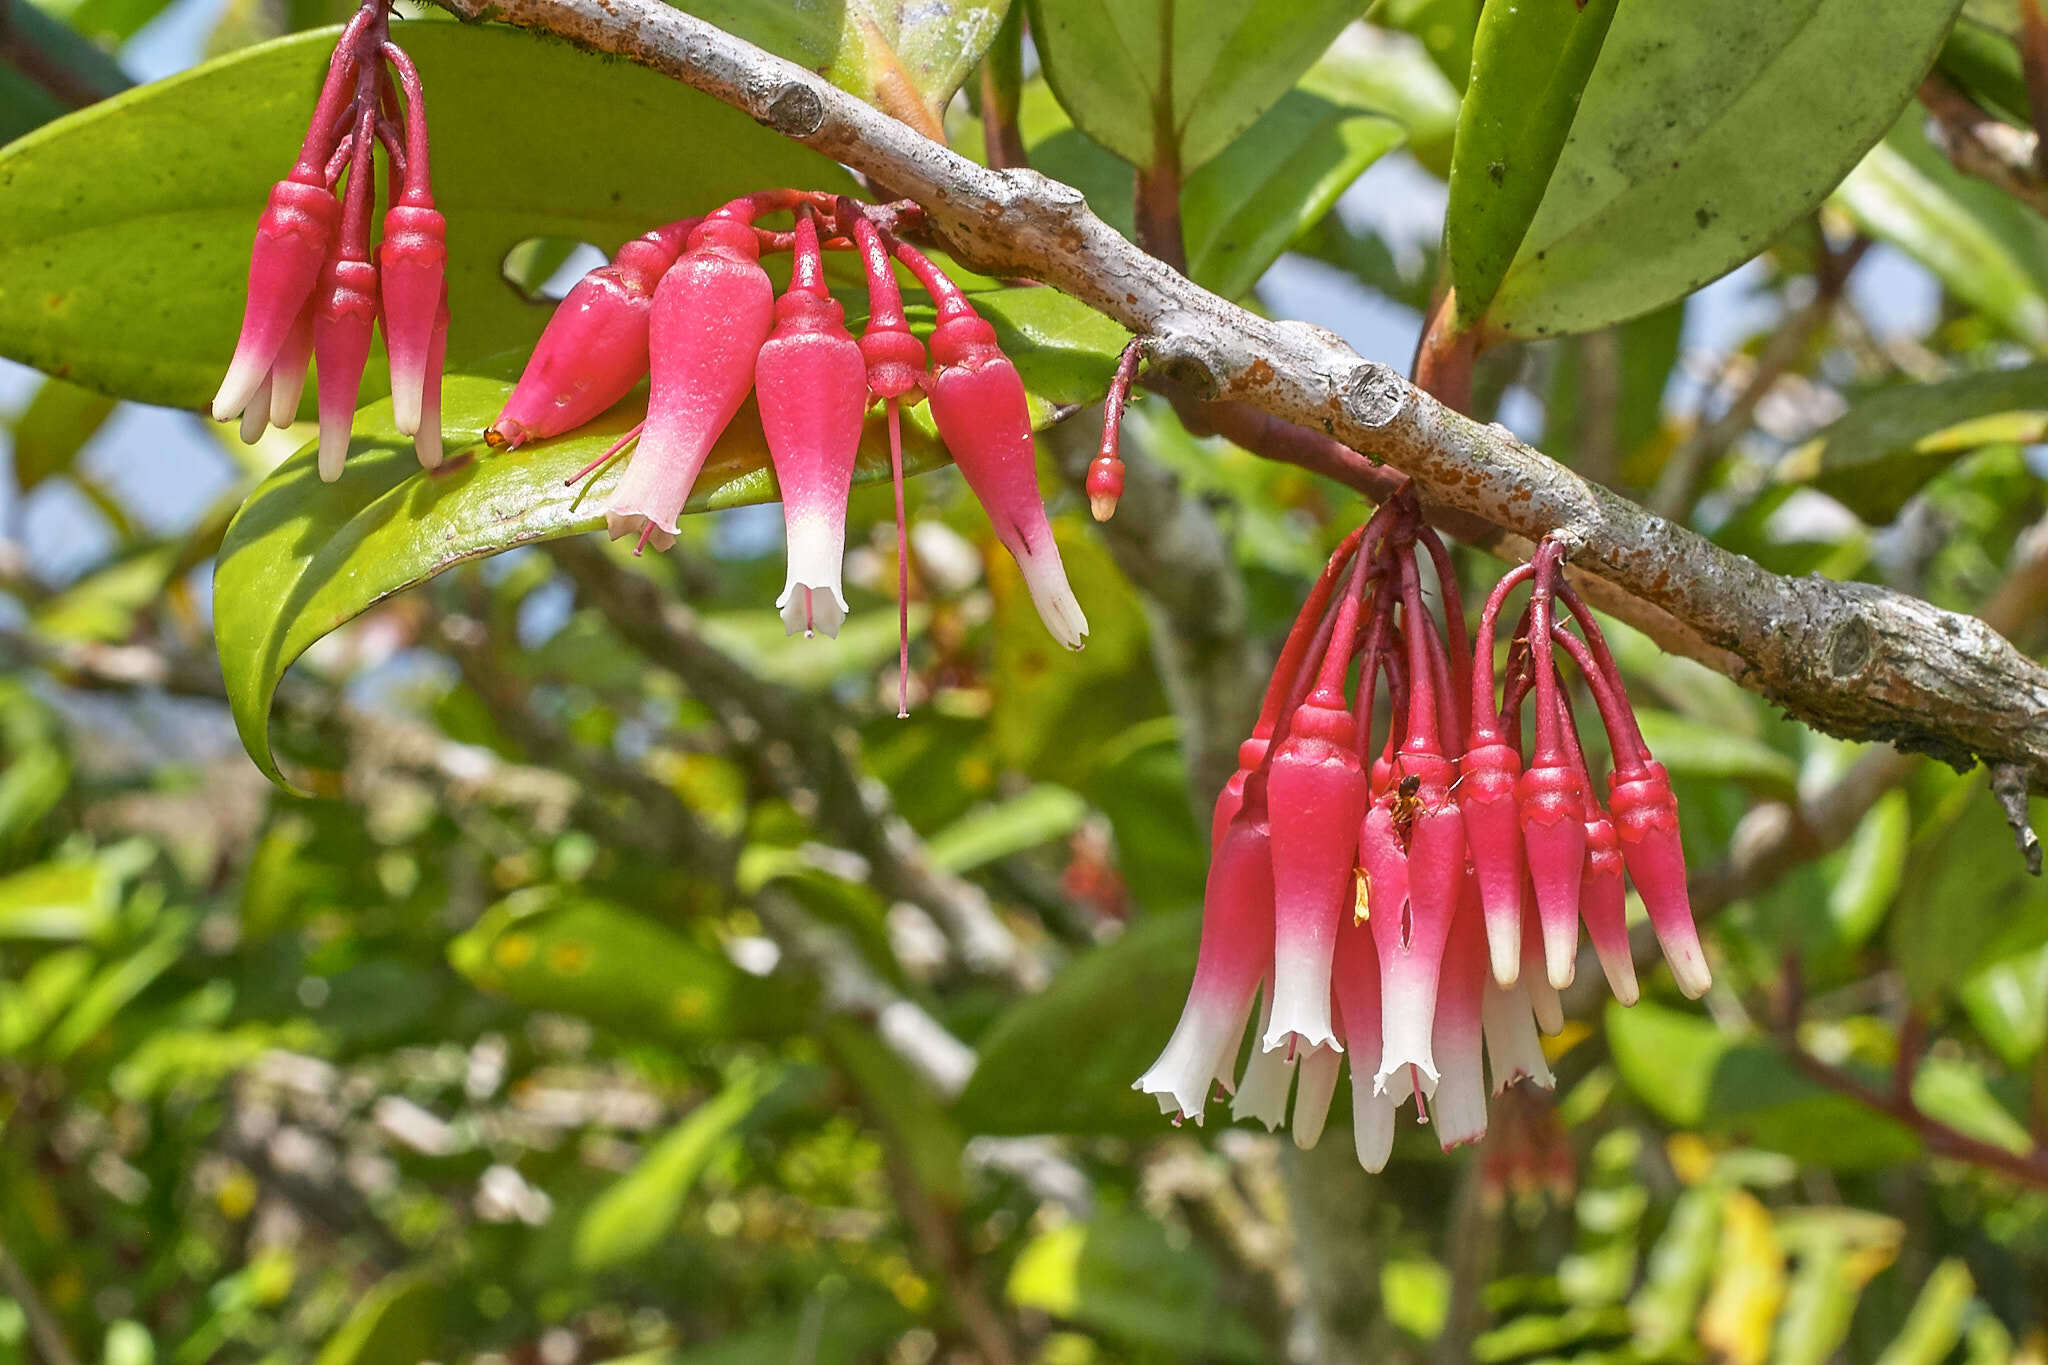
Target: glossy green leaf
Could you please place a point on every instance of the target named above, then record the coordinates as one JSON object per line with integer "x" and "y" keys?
{"x": 1695, "y": 1076}
{"x": 118, "y": 983}
{"x": 1985, "y": 64}
{"x": 1372, "y": 71}
{"x": 1866, "y": 873}
{"x": 640, "y": 1209}
{"x": 558, "y": 950}
{"x": 45, "y": 990}
{"x": 1892, "y": 442}
{"x": 1119, "y": 1274}
{"x": 1064, "y": 1061}
{"x": 1530, "y": 63}
{"x": 1704, "y": 132}
{"x": 304, "y": 557}
{"x": 1248, "y": 205}
{"x": 1176, "y": 81}
{"x": 58, "y": 422}
{"x": 873, "y": 48}
{"x": 1990, "y": 250}
{"x": 1959, "y": 1090}
{"x": 125, "y": 251}
{"x": 991, "y": 833}
{"x": 105, "y": 605}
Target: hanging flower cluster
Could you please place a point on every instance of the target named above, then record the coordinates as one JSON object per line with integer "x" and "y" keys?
{"x": 1410, "y": 896}
{"x": 689, "y": 307}
{"x": 317, "y": 289}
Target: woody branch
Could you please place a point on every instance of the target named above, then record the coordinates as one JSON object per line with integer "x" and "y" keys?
{"x": 1853, "y": 659}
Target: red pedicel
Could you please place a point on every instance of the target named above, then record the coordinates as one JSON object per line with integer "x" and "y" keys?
{"x": 813, "y": 390}
{"x": 711, "y": 315}
{"x": 594, "y": 348}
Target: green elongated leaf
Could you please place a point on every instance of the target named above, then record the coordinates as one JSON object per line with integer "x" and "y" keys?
{"x": 898, "y": 1101}
{"x": 1248, "y": 204}
{"x": 640, "y": 1209}
{"x": 1960, "y": 1092}
{"x": 31, "y": 785}
{"x": 991, "y": 833}
{"x": 28, "y": 1006}
{"x": 1064, "y": 1061}
{"x": 1375, "y": 72}
{"x": 62, "y": 900}
{"x": 118, "y": 983}
{"x": 125, "y": 251}
{"x": 1694, "y": 749}
{"x": 1967, "y": 899}
{"x": 1840, "y": 1251}
{"x": 1990, "y": 250}
{"x": 873, "y": 48}
{"x": 1985, "y": 64}
{"x": 58, "y": 422}
{"x": 558, "y": 950}
{"x": 1868, "y": 870}
{"x": 1174, "y": 82}
{"x": 1681, "y": 1266}
{"x": 1936, "y": 1323}
{"x": 105, "y": 605}
{"x": 1119, "y": 1274}
{"x": 398, "y": 1320}
{"x": 1886, "y": 447}
{"x": 2008, "y": 1002}
{"x": 1693, "y": 1075}
{"x": 1255, "y": 198}
{"x": 1704, "y": 132}
{"x": 1530, "y": 62}
{"x": 303, "y": 557}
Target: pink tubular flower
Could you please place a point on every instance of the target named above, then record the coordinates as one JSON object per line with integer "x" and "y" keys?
{"x": 978, "y": 403}
{"x": 594, "y": 348}
{"x": 711, "y": 314}
{"x": 1427, "y": 948}
{"x": 412, "y": 260}
{"x": 1235, "y": 956}
{"x": 813, "y": 387}
{"x": 318, "y": 289}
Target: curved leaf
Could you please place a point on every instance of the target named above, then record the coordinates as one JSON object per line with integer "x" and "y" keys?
{"x": 1159, "y": 80}
{"x": 1887, "y": 446}
{"x": 304, "y": 557}
{"x": 1529, "y": 67}
{"x": 1705, "y": 130}
{"x": 124, "y": 252}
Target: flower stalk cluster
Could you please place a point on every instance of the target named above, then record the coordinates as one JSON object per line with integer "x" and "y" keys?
{"x": 318, "y": 287}
{"x": 1407, "y": 893}
{"x": 690, "y": 308}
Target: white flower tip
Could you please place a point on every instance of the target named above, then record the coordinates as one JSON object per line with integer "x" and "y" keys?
{"x": 1312, "y": 1095}
{"x": 285, "y": 390}
{"x": 1620, "y": 971}
{"x": 1562, "y": 967}
{"x": 809, "y": 609}
{"x": 1505, "y": 950}
{"x": 243, "y": 378}
{"x": 1046, "y": 579}
{"x": 1292, "y": 1040}
{"x": 1548, "y": 1008}
{"x": 1372, "y": 1127}
{"x": 1690, "y": 968}
{"x": 405, "y": 403}
{"x": 426, "y": 443}
{"x": 333, "y": 449}
{"x": 256, "y": 416}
